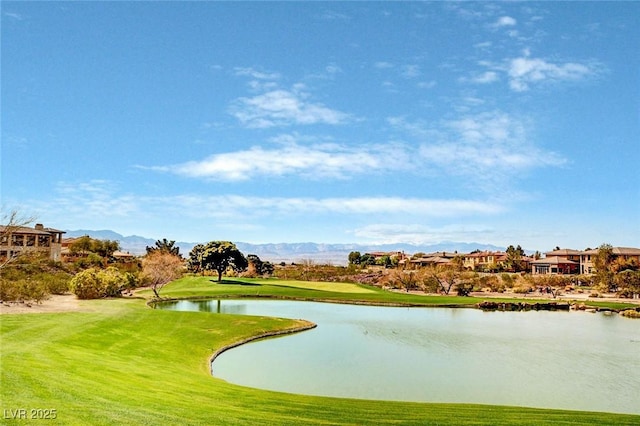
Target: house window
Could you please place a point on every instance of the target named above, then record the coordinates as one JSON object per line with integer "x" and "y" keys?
{"x": 542, "y": 269}
{"x": 44, "y": 240}
{"x": 17, "y": 240}
{"x": 4, "y": 240}
{"x": 31, "y": 240}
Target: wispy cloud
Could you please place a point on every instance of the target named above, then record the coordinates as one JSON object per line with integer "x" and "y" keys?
{"x": 525, "y": 71}
{"x": 101, "y": 203}
{"x": 331, "y": 15}
{"x": 13, "y": 15}
{"x": 385, "y": 233}
{"x": 95, "y": 199}
{"x": 352, "y": 206}
{"x": 253, "y": 73}
{"x": 383, "y": 65}
{"x": 410, "y": 71}
{"x": 483, "y": 78}
{"x": 315, "y": 161}
{"x": 488, "y": 146}
{"x": 284, "y": 108}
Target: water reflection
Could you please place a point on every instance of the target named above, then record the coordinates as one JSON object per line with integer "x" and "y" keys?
{"x": 538, "y": 359}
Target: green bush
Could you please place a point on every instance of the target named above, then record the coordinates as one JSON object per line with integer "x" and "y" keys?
{"x": 94, "y": 283}
{"x": 32, "y": 278}
{"x": 56, "y": 283}
{"x": 21, "y": 290}
{"x": 86, "y": 284}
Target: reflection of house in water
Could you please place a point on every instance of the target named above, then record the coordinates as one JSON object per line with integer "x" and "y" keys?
{"x": 15, "y": 240}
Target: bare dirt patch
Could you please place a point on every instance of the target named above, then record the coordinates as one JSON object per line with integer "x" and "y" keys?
{"x": 56, "y": 303}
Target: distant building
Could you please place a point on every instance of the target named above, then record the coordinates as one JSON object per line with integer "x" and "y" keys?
{"x": 627, "y": 253}
{"x": 568, "y": 261}
{"x": 15, "y": 240}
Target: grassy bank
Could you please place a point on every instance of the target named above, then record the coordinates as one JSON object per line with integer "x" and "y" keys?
{"x": 124, "y": 363}
{"x": 198, "y": 286}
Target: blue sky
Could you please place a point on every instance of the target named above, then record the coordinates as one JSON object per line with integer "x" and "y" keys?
{"x": 501, "y": 123}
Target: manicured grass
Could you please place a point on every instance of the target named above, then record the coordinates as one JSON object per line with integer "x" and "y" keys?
{"x": 208, "y": 287}
{"x": 123, "y": 363}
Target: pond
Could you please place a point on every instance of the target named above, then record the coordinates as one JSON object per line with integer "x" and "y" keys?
{"x": 569, "y": 360}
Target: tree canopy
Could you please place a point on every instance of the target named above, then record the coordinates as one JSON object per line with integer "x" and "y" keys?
{"x": 85, "y": 245}
{"x": 217, "y": 256}
{"x": 164, "y": 246}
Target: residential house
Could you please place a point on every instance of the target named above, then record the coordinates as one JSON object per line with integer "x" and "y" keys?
{"x": 434, "y": 259}
{"x": 559, "y": 261}
{"x": 15, "y": 240}
{"x": 586, "y": 257}
{"x": 484, "y": 260}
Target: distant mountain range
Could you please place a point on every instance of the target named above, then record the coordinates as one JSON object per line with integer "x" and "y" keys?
{"x": 336, "y": 254}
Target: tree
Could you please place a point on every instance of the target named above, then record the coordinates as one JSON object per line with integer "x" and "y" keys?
{"x": 628, "y": 283}
{"x": 164, "y": 246}
{"x": 602, "y": 262}
{"x": 354, "y": 258}
{"x": 405, "y": 280}
{"x": 514, "y": 261}
{"x": 367, "y": 259}
{"x": 159, "y": 268}
{"x": 444, "y": 276}
{"x": 81, "y": 246}
{"x": 258, "y": 267}
{"x": 194, "y": 263}
{"x": 218, "y": 256}
{"x": 103, "y": 248}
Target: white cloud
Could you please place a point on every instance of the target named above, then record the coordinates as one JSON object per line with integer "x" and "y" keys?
{"x": 13, "y": 15}
{"x": 488, "y": 147}
{"x": 505, "y": 21}
{"x": 284, "y": 108}
{"x": 410, "y": 71}
{"x": 93, "y": 199}
{"x": 422, "y": 234}
{"x": 383, "y": 65}
{"x": 259, "y": 75}
{"x": 280, "y": 206}
{"x": 427, "y": 84}
{"x": 485, "y": 77}
{"x": 100, "y": 204}
{"x": 524, "y": 71}
{"x": 315, "y": 161}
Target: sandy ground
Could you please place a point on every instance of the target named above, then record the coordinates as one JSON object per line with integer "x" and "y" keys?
{"x": 56, "y": 303}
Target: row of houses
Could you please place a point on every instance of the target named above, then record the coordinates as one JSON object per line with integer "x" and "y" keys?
{"x": 560, "y": 261}
{"x": 19, "y": 239}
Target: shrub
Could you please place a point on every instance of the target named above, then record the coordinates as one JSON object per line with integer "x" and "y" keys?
{"x": 86, "y": 285}
{"x": 94, "y": 284}
{"x": 507, "y": 280}
{"x": 22, "y": 290}
{"x": 55, "y": 283}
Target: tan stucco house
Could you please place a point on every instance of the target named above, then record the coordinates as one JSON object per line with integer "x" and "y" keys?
{"x": 15, "y": 240}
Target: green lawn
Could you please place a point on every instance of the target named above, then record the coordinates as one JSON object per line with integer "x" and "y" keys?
{"x": 124, "y": 363}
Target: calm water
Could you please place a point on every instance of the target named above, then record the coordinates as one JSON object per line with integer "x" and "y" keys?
{"x": 571, "y": 360}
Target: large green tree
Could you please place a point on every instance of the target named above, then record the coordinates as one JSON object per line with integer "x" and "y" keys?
{"x": 602, "y": 262}
{"x": 217, "y": 256}
{"x": 514, "y": 262}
